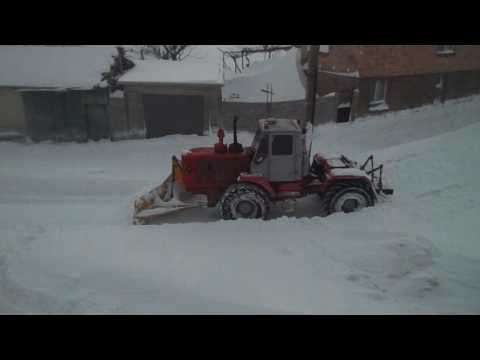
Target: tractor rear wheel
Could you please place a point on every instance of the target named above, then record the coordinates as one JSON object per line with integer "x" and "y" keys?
{"x": 347, "y": 198}
{"x": 244, "y": 201}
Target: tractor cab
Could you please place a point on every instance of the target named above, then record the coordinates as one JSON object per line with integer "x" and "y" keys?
{"x": 279, "y": 151}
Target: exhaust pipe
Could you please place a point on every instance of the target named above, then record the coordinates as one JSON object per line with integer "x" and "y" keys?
{"x": 235, "y": 147}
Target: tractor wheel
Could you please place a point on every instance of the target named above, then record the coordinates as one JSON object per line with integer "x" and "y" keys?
{"x": 244, "y": 201}
{"x": 347, "y": 198}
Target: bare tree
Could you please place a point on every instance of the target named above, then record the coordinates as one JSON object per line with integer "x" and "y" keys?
{"x": 241, "y": 57}
{"x": 120, "y": 65}
{"x": 167, "y": 52}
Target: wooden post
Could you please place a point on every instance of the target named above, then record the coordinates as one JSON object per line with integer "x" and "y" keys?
{"x": 311, "y": 90}
{"x": 268, "y": 99}
{"x": 120, "y": 58}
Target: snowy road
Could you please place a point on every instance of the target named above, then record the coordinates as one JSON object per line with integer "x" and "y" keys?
{"x": 67, "y": 246}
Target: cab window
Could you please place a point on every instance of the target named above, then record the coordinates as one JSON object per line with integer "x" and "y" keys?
{"x": 256, "y": 139}
{"x": 262, "y": 151}
{"x": 263, "y": 147}
{"x": 282, "y": 145}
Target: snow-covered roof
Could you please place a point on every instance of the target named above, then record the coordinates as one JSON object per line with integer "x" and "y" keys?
{"x": 282, "y": 72}
{"x": 276, "y": 125}
{"x": 188, "y": 71}
{"x": 54, "y": 66}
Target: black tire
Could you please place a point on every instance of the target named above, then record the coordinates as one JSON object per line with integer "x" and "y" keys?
{"x": 244, "y": 201}
{"x": 334, "y": 199}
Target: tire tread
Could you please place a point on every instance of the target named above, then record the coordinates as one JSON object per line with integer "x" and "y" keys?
{"x": 336, "y": 188}
{"x": 239, "y": 189}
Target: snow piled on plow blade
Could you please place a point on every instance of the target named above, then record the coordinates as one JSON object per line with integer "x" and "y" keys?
{"x": 168, "y": 198}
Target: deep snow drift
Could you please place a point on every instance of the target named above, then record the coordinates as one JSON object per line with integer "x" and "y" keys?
{"x": 67, "y": 246}
{"x": 281, "y": 72}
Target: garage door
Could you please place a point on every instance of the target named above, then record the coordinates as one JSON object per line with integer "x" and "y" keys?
{"x": 173, "y": 114}
{"x": 96, "y": 121}
{"x": 44, "y": 114}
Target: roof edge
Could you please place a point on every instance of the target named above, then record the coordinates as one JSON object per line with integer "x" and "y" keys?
{"x": 171, "y": 84}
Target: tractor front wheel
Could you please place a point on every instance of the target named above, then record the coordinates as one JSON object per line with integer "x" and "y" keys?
{"x": 244, "y": 201}
{"x": 346, "y": 199}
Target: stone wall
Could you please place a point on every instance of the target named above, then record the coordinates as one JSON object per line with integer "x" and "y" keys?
{"x": 250, "y": 113}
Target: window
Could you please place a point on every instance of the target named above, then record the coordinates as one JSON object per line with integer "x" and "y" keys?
{"x": 256, "y": 139}
{"x": 263, "y": 147}
{"x": 262, "y": 151}
{"x": 379, "y": 92}
{"x": 282, "y": 145}
{"x": 445, "y": 49}
{"x": 324, "y": 49}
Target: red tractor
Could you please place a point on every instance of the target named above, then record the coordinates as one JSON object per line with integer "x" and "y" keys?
{"x": 244, "y": 182}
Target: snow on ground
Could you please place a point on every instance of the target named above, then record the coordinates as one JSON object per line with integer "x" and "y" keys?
{"x": 11, "y": 134}
{"x": 67, "y": 246}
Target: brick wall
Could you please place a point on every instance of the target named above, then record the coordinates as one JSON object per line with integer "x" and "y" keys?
{"x": 410, "y": 91}
{"x": 340, "y": 58}
{"x": 418, "y": 90}
{"x": 413, "y": 73}
{"x": 328, "y": 83}
{"x": 398, "y": 60}
{"x": 461, "y": 84}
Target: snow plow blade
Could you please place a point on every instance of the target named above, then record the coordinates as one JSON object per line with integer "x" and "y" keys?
{"x": 169, "y": 197}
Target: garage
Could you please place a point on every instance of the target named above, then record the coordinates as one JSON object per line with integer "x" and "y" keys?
{"x": 172, "y": 97}
{"x": 55, "y": 92}
{"x": 173, "y": 114}
{"x": 66, "y": 115}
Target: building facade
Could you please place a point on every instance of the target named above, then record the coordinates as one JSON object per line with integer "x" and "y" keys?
{"x": 371, "y": 79}
{"x": 170, "y": 97}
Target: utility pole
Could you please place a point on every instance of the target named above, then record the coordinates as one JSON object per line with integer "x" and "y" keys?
{"x": 268, "y": 98}
{"x": 311, "y": 90}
